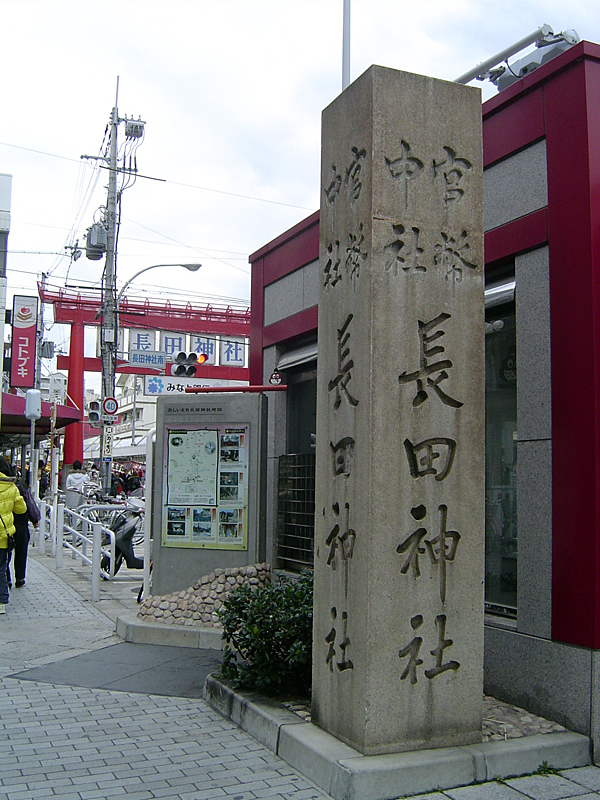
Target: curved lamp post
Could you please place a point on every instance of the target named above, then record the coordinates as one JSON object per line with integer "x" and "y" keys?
{"x": 190, "y": 267}
{"x": 110, "y": 371}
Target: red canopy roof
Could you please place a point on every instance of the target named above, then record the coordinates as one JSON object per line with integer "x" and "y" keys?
{"x": 14, "y": 422}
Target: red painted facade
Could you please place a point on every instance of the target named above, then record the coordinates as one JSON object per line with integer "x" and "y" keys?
{"x": 558, "y": 103}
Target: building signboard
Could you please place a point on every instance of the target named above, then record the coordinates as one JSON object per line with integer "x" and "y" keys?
{"x": 155, "y": 359}
{"x": 107, "y": 445}
{"x": 208, "y": 486}
{"x": 24, "y": 330}
{"x": 156, "y": 385}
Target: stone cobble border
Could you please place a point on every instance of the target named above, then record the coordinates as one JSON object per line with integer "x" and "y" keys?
{"x": 198, "y": 605}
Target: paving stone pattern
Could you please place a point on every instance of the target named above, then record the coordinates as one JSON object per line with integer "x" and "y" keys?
{"x": 80, "y": 743}
{"x": 582, "y": 783}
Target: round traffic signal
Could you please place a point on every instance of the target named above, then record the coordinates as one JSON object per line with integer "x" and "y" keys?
{"x": 187, "y": 363}
{"x": 94, "y": 412}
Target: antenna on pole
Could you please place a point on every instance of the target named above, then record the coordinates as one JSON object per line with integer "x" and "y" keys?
{"x": 346, "y": 46}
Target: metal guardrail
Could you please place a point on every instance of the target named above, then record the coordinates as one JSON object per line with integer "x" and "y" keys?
{"x": 64, "y": 529}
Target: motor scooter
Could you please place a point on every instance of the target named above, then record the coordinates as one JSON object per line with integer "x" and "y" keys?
{"x": 125, "y": 525}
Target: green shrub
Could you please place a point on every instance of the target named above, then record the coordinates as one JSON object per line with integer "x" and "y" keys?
{"x": 268, "y": 636}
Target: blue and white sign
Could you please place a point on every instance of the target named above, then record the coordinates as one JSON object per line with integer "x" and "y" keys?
{"x": 156, "y": 359}
{"x": 141, "y": 339}
{"x": 173, "y": 343}
{"x": 166, "y": 385}
{"x": 232, "y": 352}
{"x": 206, "y": 345}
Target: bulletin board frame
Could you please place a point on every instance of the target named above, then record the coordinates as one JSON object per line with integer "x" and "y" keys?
{"x": 205, "y": 486}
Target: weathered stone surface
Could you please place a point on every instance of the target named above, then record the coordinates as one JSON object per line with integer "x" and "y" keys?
{"x": 398, "y": 625}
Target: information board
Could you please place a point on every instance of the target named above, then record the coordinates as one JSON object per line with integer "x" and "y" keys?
{"x": 205, "y": 491}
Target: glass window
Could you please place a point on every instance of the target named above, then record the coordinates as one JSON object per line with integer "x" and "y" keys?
{"x": 501, "y": 461}
{"x": 302, "y": 410}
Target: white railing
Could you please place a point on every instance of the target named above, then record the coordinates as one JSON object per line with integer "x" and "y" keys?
{"x": 64, "y": 529}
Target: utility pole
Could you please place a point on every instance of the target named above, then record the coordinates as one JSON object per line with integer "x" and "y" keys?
{"x": 102, "y": 239}
{"x": 108, "y": 329}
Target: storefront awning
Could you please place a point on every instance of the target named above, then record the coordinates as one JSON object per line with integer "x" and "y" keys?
{"x": 15, "y": 424}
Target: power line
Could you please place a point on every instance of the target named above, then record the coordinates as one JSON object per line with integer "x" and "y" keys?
{"x": 205, "y": 250}
{"x": 174, "y": 183}
{"x": 196, "y": 249}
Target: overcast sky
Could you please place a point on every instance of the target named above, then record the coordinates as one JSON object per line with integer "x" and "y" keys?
{"x": 231, "y": 92}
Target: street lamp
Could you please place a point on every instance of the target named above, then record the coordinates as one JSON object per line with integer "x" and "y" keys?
{"x": 190, "y": 267}
{"x": 109, "y": 368}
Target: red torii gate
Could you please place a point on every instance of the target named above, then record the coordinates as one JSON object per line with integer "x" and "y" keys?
{"x": 79, "y": 309}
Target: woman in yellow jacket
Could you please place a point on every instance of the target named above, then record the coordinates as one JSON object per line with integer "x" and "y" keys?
{"x": 10, "y": 500}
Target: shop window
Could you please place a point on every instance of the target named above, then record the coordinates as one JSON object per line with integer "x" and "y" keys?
{"x": 301, "y": 411}
{"x": 501, "y": 461}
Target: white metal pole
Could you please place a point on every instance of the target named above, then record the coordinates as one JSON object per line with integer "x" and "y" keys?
{"x": 96, "y": 548}
{"x": 42, "y": 528}
{"x": 346, "y": 46}
{"x": 53, "y": 526}
{"x": 59, "y": 521}
{"x": 150, "y": 436}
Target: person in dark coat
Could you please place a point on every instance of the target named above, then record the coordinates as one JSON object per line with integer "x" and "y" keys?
{"x": 21, "y": 523}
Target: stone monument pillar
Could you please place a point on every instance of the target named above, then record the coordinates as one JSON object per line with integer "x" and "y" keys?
{"x": 399, "y": 530}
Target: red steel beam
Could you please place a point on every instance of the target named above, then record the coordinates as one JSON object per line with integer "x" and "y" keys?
{"x": 220, "y": 389}
{"x": 168, "y": 315}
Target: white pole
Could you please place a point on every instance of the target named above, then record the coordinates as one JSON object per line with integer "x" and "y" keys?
{"x": 42, "y": 528}
{"x": 58, "y": 518}
{"x": 346, "y": 46}
{"x": 540, "y": 33}
{"x": 96, "y": 548}
{"x": 150, "y": 436}
{"x": 54, "y": 473}
{"x": 53, "y": 526}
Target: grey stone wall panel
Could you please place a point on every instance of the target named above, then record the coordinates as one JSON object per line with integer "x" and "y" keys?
{"x": 534, "y": 386}
{"x": 516, "y": 186}
{"x": 549, "y": 679}
{"x": 534, "y": 524}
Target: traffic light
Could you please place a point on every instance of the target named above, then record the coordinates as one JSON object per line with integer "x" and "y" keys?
{"x": 187, "y": 364}
{"x": 94, "y": 412}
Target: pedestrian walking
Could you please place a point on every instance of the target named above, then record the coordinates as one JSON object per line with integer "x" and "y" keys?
{"x": 74, "y": 485}
{"x": 10, "y": 501}
{"x": 21, "y": 522}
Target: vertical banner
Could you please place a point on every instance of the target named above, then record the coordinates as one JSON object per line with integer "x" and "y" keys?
{"x": 24, "y": 329}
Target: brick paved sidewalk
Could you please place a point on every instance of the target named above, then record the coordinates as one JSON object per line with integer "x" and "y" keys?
{"x": 77, "y": 743}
